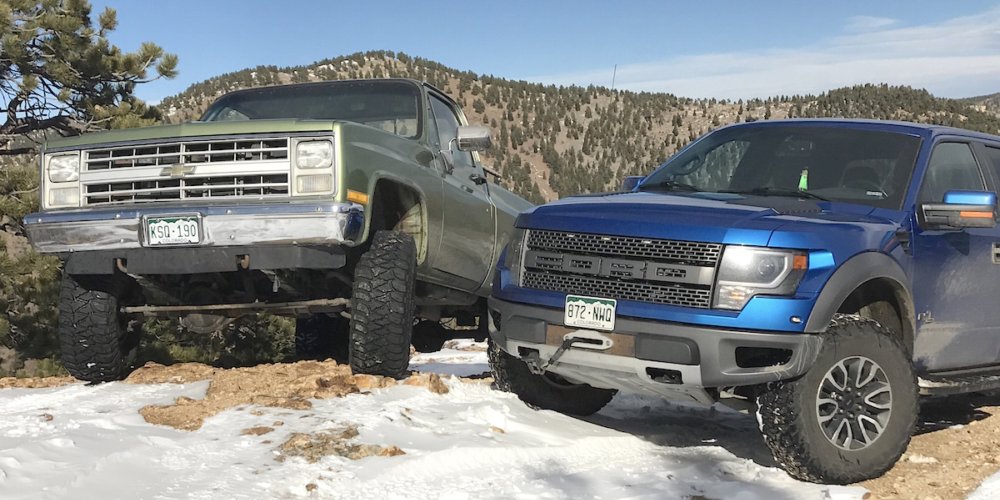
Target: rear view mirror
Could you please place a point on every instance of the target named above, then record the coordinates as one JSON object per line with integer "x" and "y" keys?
{"x": 961, "y": 209}
{"x": 630, "y": 182}
{"x": 474, "y": 138}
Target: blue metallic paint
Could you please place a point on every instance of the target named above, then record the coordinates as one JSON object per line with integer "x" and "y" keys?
{"x": 832, "y": 235}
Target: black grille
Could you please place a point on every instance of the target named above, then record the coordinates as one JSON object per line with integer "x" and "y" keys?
{"x": 622, "y": 267}
{"x": 618, "y": 289}
{"x": 624, "y": 246}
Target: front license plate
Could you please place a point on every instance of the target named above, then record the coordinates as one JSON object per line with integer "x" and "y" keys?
{"x": 162, "y": 231}
{"x": 590, "y": 312}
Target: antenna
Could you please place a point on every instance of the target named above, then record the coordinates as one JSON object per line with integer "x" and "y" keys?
{"x": 613, "y": 75}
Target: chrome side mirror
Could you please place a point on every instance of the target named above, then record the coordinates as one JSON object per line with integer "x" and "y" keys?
{"x": 474, "y": 138}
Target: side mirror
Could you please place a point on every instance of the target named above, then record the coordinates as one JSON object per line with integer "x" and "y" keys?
{"x": 474, "y": 138}
{"x": 961, "y": 209}
{"x": 630, "y": 182}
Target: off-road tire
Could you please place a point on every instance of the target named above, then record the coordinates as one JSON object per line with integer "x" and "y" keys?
{"x": 382, "y": 307}
{"x": 94, "y": 339}
{"x": 788, "y": 416}
{"x": 545, "y": 391}
{"x": 319, "y": 337}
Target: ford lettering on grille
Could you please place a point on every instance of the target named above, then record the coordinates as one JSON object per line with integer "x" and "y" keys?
{"x": 658, "y": 271}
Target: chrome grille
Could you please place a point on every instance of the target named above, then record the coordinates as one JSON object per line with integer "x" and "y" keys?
{"x": 669, "y": 272}
{"x": 624, "y": 246}
{"x": 256, "y": 186}
{"x": 619, "y": 289}
{"x": 187, "y": 153}
{"x": 248, "y": 168}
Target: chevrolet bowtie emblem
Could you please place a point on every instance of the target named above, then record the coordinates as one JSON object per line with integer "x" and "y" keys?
{"x": 178, "y": 170}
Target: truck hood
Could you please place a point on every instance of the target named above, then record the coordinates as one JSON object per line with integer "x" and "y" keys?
{"x": 717, "y": 217}
{"x": 192, "y": 129}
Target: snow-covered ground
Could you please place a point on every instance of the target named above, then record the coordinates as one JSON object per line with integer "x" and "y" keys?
{"x": 86, "y": 442}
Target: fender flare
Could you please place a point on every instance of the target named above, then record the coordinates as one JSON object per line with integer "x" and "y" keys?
{"x": 857, "y": 271}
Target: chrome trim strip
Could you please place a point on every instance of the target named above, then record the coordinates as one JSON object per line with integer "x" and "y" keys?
{"x": 301, "y": 223}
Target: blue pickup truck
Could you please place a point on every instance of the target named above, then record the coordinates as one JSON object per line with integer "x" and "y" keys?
{"x": 827, "y": 273}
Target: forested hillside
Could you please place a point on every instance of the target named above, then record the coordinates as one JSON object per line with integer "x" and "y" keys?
{"x": 558, "y": 141}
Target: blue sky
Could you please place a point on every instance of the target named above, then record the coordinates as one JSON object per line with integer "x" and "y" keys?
{"x": 726, "y": 49}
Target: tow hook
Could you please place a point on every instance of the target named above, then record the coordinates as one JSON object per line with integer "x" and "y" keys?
{"x": 535, "y": 364}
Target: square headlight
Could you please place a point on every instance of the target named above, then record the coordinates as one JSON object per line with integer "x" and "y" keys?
{"x": 314, "y": 154}
{"x": 64, "y": 168}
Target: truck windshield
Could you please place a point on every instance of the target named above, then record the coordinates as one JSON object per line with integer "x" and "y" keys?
{"x": 390, "y": 106}
{"x": 819, "y": 162}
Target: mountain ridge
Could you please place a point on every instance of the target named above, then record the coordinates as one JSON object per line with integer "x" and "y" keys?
{"x": 554, "y": 141}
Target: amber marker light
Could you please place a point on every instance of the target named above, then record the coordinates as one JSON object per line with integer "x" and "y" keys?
{"x": 357, "y": 197}
{"x": 976, "y": 215}
{"x": 800, "y": 262}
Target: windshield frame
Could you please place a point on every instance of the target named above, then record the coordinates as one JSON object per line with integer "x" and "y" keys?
{"x": 909, "y": 152}
{"x": 282, "y": 91}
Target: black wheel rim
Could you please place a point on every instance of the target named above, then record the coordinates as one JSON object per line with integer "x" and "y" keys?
{"x": 854, "y": 403}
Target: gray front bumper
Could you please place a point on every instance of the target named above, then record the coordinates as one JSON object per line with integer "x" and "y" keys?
{"x": 702, "y": 357}
{"x": 309, "y": 223}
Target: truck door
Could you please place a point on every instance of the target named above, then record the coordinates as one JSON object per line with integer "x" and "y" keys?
{"x": 956, "y": 276}
{"x": 468, "y": 228}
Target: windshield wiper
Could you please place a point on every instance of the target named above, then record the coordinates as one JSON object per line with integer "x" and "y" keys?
{"x": 668, "y": 185}
{"x": 770, "y": 191}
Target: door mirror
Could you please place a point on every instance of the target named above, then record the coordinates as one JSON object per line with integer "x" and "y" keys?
{"x": 961, "y": 209}
{"x": 630, "y": 182}
{"x": 474, "y": 138}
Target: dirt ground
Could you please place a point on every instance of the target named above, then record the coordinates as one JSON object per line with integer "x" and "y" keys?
{"x": 956, "y": 447}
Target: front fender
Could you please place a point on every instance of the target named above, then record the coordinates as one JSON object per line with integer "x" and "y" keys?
{"x": 857, "y": 271}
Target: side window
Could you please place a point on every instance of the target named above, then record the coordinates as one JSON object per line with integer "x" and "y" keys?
{"x": 993, "y": 152}
{"x": 952, "y": 167}
{"x": 447, "y": 126}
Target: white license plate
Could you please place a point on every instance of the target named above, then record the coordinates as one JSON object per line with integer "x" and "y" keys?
{"x": 590, "y": 312}
{"x": 173, "y": 231}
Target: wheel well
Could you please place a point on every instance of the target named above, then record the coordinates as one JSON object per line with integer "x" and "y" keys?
{"x": 399, "y": 207}
{"x": 885, "y": 301}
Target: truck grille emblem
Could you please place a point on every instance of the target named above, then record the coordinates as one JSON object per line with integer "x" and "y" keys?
{"x": 177, "y": 170}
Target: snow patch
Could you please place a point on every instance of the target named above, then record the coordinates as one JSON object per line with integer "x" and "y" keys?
{"x": 472, "y": 442}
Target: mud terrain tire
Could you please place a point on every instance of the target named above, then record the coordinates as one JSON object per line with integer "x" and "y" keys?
{"x": 382, "y": 307}
{"x": 801, "y": 420}
{"x": 320, "y": 337}
{"x": 94, "y": 337}
{"x": 546, "y": 391}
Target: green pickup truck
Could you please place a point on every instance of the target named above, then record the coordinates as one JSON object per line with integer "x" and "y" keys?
{"x": 359, "y": 207}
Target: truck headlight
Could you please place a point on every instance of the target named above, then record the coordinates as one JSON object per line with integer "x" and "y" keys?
{"x": 514, "y": 259}
{"x": 314, "y": 154}
{"x": 749, "y": 271}
{"x": 64, "y": 168}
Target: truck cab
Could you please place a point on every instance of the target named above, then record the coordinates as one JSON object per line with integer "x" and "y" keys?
{"x": 826, "y": 272}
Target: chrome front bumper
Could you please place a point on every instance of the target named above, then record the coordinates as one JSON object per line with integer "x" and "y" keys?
{"x": 302, "y": 223}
